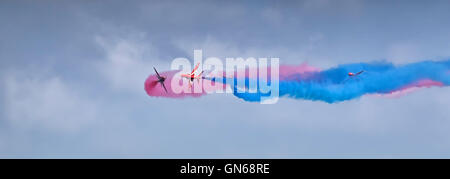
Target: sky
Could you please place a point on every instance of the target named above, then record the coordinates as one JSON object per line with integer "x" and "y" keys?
{"x": 72, "y": 79}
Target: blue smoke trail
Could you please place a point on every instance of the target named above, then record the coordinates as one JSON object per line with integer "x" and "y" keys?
{"x": 334, "y": 85}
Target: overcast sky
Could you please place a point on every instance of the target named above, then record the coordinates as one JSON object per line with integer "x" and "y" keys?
{"x": 72, "y": 75}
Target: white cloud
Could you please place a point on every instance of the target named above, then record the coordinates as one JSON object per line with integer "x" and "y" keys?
{"x": 215, "y": 47}
{"x": 46, "y": 103}
{"x": 210, "y": 46}
{"x": 404, "y": 53}
{"x": 127, "y": 62}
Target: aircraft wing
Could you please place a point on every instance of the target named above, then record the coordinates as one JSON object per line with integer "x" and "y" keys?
{"x": 345, "y": 80}
{"x": 199, "y": 76}
{"x": 157, "y": 74}
{"x": 195, "y": 68}
{"x": 185, "y": 75}
{"x": 164, "y": 86}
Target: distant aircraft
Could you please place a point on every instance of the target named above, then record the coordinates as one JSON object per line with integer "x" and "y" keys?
{"x": 355, "y": 74}
{"x": 161, "y": 79}
{"x": 191, "y": 76}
